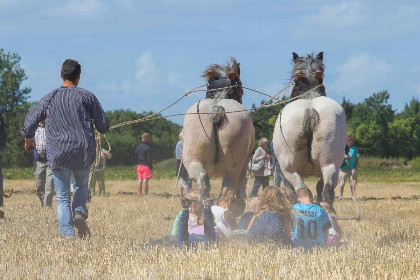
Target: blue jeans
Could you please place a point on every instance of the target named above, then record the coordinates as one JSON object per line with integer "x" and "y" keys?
{"x": 183, "y": 236}
{"x": 80, "y": 196}
{"x": 259, "y": 180}
{"x": 1, "y": 182}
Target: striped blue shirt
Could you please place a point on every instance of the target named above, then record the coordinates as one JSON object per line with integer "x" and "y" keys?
{"x": 68, "y": 113}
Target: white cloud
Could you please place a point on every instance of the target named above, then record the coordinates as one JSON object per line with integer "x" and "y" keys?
{"x": 84, "y": 9}
{"x": 351, "y": 22}
{"x": 173, "y": 78}
{"x": 361, "y": 73}
{"x": 337, "y": 16}
{"x": 145, "y": 65}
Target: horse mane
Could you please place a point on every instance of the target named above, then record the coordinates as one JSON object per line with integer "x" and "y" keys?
{"x": 222, "y": 71}
{"x": 304, "y": 64}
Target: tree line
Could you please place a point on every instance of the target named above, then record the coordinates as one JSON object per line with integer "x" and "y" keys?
{"x": 378, "y": 130}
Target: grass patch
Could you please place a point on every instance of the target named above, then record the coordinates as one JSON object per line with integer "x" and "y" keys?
{"x": 370, "y": 170}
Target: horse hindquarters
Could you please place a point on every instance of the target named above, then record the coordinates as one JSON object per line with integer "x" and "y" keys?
{"x": 236, "y": 140}
{"x": 199, "y": 143}
{"x": 328, "y": 144}
{"x": 225, "y": 138}
{"x": 291, "y": 142}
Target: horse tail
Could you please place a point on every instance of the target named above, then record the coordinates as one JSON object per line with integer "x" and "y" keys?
{"x": 218, "y": 114}
{"x": 310, "y": 120}
{"x": 217, "y": 117}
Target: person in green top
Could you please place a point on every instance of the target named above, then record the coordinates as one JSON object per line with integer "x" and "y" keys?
{"x": 348, "y": 169}
{"x": 170, "y": 240}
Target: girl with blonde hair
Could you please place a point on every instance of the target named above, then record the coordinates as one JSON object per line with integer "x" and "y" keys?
{"x": 272, "y": 220}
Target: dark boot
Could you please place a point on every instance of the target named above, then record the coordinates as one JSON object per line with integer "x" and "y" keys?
{"x": 79, "y": 219}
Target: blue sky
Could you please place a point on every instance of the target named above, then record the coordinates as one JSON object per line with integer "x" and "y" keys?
{"x": 142, "y": 55}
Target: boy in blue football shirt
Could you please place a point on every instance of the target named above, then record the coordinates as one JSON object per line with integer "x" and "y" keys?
{"x": 312, "y": 222}
{"x": 348, "y": 170}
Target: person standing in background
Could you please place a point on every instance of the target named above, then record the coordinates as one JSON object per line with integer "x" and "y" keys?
{"x": 348, "y": 170}
{"x": 262, "y": 176}
{"x": 184, "y": 179}
{"x": 99, "y": 174}
{"x": 42, "y": 172}
{"x": 144, "y": 164}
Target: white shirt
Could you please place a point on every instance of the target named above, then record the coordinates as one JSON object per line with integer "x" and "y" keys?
{"x": 219, "y": 219}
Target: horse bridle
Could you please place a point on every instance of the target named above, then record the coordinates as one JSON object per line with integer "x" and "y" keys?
{"x": 220, "y": 83}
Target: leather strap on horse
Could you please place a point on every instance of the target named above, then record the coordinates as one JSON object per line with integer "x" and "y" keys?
{"x": 216, "y": 134}
{"x": 281, "y": 131}
{"x": 199, "y": 117}
{"x": 216, "y": 143}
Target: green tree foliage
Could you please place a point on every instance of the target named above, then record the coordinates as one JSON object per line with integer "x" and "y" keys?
{"x": 264, "y": 120}
{"x": 14, "y": 107}
{"x": 412, "y": 110}
{"x": 124, "y": 140}
{"x": 404, "y": 137}
{"x": 379, "y": 132}
{"x": 373, "y": 113}
{"x": 348, "y": 107}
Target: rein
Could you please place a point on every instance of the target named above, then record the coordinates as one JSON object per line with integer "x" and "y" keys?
{"x": 199, "y": 117}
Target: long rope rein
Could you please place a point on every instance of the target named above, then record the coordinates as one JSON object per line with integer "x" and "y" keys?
{"x": 195, "y": 89}
{"x": 173, "y": 193}
{"x": 151, "y": 117}
{"x": 277, "y": 103}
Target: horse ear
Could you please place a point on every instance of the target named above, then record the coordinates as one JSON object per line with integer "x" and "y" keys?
{"x": 295, "y": 56}
{"x": 320, "y": 56}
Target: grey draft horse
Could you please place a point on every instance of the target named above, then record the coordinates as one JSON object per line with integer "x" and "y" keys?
{"x": 310, "y": 133}
{"x": 214, "y": 140}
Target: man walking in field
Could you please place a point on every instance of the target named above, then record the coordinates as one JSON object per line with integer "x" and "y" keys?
{"x": 144, "y": 164}
{"x": 70, "y": 113}
{"x": 348, "y": 170}
{"x": 42, "y": 172}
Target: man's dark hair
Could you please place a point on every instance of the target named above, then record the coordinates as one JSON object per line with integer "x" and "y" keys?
{"x": 70, "y": 70}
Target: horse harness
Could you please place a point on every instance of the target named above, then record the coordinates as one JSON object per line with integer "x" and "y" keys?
{"x": 234, "y": 93}
{"x": 305, "y": 84}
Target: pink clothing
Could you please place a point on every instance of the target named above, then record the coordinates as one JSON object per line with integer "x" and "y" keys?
{"x": 333, "y": 240}
{"x": 144, "y": 172}
{"x": 200, "y": 230}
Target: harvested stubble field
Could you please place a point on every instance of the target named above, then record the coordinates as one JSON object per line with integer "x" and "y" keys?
{"x": 385, "y": 244}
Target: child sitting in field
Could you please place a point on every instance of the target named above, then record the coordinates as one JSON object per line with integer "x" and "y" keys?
{"x": 272, "y": 220}
{"x": 246, "y": 218}
{"x": 224, "y": 212}
{"x": 334, "y": 233}
{"x": 205, "y": 231}
{"x": 195, "y": 210}
{"x": 312, "y": 222}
